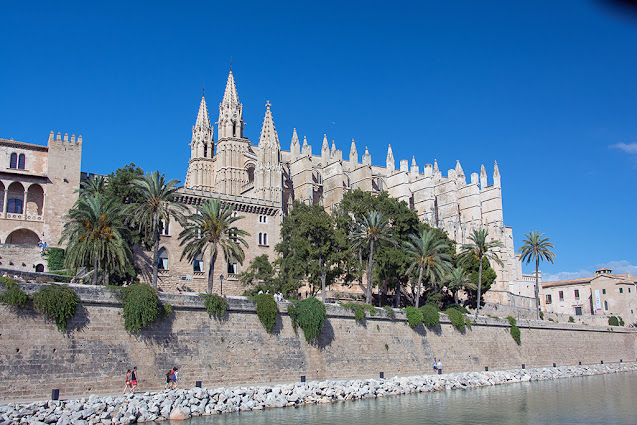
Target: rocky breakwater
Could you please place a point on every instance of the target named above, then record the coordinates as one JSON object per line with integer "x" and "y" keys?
{"x": 182, "y": 404}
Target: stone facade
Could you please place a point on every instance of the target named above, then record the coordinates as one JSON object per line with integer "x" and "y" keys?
{"x": 38, "y": 186}
{"x": 94, "y": 356}
{"x": 604, "y": 294}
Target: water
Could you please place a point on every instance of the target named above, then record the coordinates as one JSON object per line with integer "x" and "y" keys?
{"x": 601, "y": 399}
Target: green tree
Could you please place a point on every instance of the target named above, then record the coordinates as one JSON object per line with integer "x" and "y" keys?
{"x": 212, "y": 227}
{"x": 311, "y": 247}
{"x": 428, "y": 256}
{"x": 259, "y": 275}
{"x": 94, "y": 234}
{"x": 480, "y": 248}
{"x": 156, "y": 205}
{"x": 372, "y": 229}
{"x": 457, "y": 280}
{"x": 536, "y": 247}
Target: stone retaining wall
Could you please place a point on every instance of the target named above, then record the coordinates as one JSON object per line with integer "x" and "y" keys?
{"x": 94, "y": 356}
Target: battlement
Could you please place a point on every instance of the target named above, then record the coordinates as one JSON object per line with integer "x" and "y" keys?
{"x": 58, "y": 138}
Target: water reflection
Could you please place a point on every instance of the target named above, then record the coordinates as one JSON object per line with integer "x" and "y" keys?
{"x": 603, "y": 399}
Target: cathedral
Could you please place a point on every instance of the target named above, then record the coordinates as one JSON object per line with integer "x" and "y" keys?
{"x": 231, "y": 166}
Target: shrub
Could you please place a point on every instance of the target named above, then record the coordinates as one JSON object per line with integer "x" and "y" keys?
{"x": 141, "y": 306}
{"x": 414, "y": 316}
{"x": 267, "y": 310}
{"x": 166, "y": 309}
{"x": 458, "y": 307}
{"x": 541, "y": 315}
{"x": 14, "y": 295}
{"x": 215, "y": 305}
{"x": 55, "y": 258}
{"x": 359, "y": 310}
{"x": 571, "y": 319}
{"x": 390, "y": 312}
{"x": 58, "y": 303}
{"x": 456, "y": 318}
{"x": 515, "y": 331}
{"x": 467, "y": 322}
{"x": 613, "y": 321}
{"x": 310, "y": 315}
{"x": 551, "y": 320}
{"x": 431, "y": 316}
{"x": 621, "y": 321}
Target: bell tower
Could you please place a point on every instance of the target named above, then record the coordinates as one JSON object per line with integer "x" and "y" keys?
{"x": 200, "y": 167}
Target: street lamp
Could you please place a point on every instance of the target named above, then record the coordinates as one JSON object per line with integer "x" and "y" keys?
{"x": 221, "y": 279}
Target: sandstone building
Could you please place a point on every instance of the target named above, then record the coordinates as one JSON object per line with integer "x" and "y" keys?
{"x": 604, "y": 294}
{"x": 38, "y": 186}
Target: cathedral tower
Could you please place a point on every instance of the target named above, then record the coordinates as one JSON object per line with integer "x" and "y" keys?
{"x": 200, "y": 167}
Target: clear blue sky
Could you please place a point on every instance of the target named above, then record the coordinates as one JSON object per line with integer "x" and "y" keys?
{"x": 547, "y": 88}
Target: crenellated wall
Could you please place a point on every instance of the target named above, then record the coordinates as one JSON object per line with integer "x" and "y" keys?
{"x": 94, "y": 356}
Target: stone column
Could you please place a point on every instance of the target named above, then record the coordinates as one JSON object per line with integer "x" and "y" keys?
{"x": 4, "y": 206}
{"x": 24, "y": 205}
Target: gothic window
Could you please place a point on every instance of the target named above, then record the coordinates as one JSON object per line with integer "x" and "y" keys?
{"x": 14, "y": 206}
{"x": 232, "y": 267}
{"x": 260, "y": 238}
{"x": 14, "y": 161}
{"x": 197, "y": 263}
{"x": 250, "y": 171}
{"x": 162, "y": 262}
{"x": 21, "y": 161}
{"x": 318, "y": 178}
{"x": 346, "y": 182}
{"x": 265, "y": 239}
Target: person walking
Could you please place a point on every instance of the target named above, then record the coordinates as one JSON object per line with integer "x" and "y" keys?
{"x": 133, "y": 380}
{"x": 439, "y": 367}
{"x": 128, "y": 382}
{"x": 175, "y": 377}
{"x": 435, "y": 365}
{"x": 169, "y": 378}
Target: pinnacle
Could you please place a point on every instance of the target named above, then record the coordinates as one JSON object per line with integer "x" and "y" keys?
{"x": 230, "y": 96}
{"x": 269, "y": 136}
{"x": 203, "y": 120}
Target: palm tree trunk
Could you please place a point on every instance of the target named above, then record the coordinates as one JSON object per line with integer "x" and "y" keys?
{"x": 155, "y": 249}
{"x": 479, "y": 287}
{"x": 321, "y": 268}
{"x": 537, "y": 289}
{"x": 398, "y": 294}
{"x": 95, "y": 267}
{"x": 455, "y": 297}
{"x": 419, "y": 283}
{"x": 211, "y": 271}
{"x": 368, "y": 298}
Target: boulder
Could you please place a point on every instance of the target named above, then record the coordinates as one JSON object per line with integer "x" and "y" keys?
{"x": 178, "y": 414}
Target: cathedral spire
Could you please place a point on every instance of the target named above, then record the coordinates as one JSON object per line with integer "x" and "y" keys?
{"x": 496, "y": 175}
{"x": 436, "y": 169}
{"x": 333, "y": 150}
{"x": 230, "y": 112}
{"x": 203, "y": 119}
{"x": 391, "y": 164}
{"x": 269, "y": 137}
{"x": 459, "y": 171}
{"x": 483, "y": 177}
{"x": 414, "y": 167}
{"x": 367, "y": 158}
{"x": 325, "y": 150}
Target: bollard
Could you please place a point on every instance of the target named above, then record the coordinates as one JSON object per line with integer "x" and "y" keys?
{"x": 382, "y": 375}
{"x": 580, "y": 363}
{"x": 198, "y": 384}
{"x": 486, "y": 368}
{"x": 302, "y": 378}
{"x": 523, "y": 366}
{"x": 55, "y": 394}
{"x": 602, "y": 361}
{"x": 554, "y": 365}
{"x": 621, "y": 361}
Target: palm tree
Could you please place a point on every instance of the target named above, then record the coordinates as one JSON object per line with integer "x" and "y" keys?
{"x": 156, "y": 207}
{"x": 480, "y": 248}
{"x": 212, "y": 227}
{"x": 428, "y": 255}
{"x": 371, "y": 230}
{"x": 458, "y": 279}
{"x": 94, "y": 232}
{"x": 536, "y": 247}
{"x": 95, "y": 185}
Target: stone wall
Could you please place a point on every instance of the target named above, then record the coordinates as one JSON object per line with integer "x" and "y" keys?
{"x": 94, "y": 355}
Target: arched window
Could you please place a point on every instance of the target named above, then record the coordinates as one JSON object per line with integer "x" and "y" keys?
{"x": 265, "y": 239}
{"x": 14, "y": 161}
{"x": 250, "y": 171}
{"x": 162, "y": 262}
{"x": 21, "y": 161}
{"x": 14, "y": 206}
{"x": 260, "y": 238}
{"x": 197, "y": 263}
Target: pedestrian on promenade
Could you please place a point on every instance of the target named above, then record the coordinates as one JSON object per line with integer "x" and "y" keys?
{"x": 175, "y": 377}
{"x": 128, "y": 382}
{"x": 133, "y": 380}
{"x": 169, "y": 378}
{"x": 435, "y": 365}
{"x": 439, "y": 367}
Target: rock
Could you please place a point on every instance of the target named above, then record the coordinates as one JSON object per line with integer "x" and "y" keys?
{"x": 178, "y": 414}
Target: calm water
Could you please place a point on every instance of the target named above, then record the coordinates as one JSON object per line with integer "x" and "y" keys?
{"x": 603, "y": 399}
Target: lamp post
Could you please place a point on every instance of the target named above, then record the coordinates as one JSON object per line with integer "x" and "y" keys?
{"x": 221, "y": 286}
